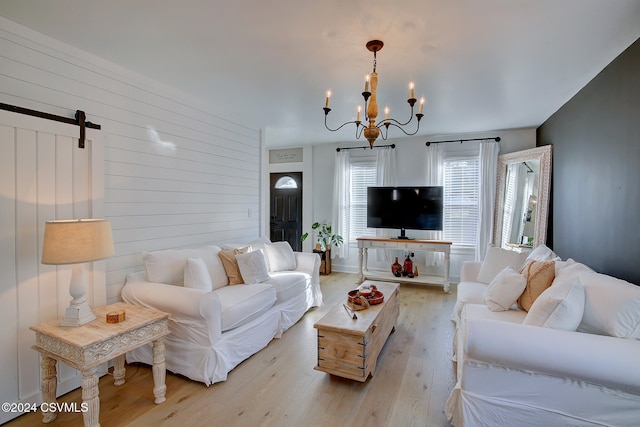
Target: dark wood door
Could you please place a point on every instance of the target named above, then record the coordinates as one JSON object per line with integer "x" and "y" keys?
{"x": 286, "y": 208}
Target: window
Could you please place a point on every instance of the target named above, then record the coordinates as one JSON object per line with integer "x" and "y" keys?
{"x": 461, "y": 184}
{"x": 362, "y": 175}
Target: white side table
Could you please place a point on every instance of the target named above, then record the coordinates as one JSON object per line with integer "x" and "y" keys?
{"x": 88, "y": 346}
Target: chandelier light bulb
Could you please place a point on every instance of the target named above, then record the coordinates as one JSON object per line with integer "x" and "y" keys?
{"x": 366, "y": 82}
{"x": 327, "y": 102}
{"x": 359, "y": 108}
{"x": 411, "y": 87}
{"x": 421, "y": 105}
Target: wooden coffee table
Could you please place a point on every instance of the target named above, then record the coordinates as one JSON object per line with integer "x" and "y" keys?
{"x": 350, "y": 347}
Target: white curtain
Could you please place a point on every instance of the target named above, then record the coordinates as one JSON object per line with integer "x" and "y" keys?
{"x": 341, "y": 208}
{"x": 434, "y": 166}
{"x": 488, "y": 170}
{"x": 386, "y": 176}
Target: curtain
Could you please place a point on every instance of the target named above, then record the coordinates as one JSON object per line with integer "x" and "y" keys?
{"x": 341, "y": 208}
{"x": 434, "y": 167}
{"x": 488, "y": 171}
{"x": 386, "y": 176}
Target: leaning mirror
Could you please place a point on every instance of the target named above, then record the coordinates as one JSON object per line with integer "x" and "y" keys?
{"x": 522, "y": 198}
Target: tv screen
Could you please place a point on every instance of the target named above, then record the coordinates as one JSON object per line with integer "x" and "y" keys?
{"x": 414, "y": 208}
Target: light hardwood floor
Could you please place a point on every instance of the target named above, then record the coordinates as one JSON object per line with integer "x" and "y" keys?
{"x": 279, "y": 387}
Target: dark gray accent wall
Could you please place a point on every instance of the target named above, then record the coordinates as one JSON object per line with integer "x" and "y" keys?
{"x": 596, "y": 171}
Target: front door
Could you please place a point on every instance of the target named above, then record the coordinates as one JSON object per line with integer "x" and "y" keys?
{"x": 286, "y": 208}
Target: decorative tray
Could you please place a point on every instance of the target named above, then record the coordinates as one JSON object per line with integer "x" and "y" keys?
{"x": 374, "y": 297}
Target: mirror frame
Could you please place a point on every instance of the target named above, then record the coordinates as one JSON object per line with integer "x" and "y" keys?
{"x": 544, "y": 187}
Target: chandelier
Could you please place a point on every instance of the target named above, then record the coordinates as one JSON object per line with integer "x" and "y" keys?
{"x": 372, "y": 130}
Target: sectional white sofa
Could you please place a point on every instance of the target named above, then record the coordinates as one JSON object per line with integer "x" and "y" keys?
{"x": 224, "y": 304}
{"x": 571, "y": 360}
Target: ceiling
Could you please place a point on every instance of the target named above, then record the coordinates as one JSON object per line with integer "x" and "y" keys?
{"x": 482, "y": 65}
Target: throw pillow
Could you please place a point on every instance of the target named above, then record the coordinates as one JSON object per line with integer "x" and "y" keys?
{"x": 542, "y": 253}
{"x": 560, "y": 306}
{"x": 165, "y": 266}
{"x": 504, "y": 290}
{"x": 196, "y": 275}
{"x": 570, "y": 270}
{"x": 259, "y": 245}
{"x": 230, "y": 264}
{"x": 496, "y": 260}
{"x": 612, "y": 306}
{"x": 281, "y": 256}
{"x": 252, "y": 267}
{"x": 539, "y": 276}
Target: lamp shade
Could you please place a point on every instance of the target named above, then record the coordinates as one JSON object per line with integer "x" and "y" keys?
{"x": 76, "y": 241}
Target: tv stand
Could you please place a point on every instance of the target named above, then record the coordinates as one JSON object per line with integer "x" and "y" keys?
{"x": 414, "y": 245}
{"x": 403, "y": 235}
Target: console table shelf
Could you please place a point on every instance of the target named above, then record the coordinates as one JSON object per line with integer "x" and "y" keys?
{"x": 414, "y": 245}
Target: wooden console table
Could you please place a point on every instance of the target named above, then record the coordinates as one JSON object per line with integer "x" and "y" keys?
{"x": 413, "y": 245}
{"x": 88, "y": 346}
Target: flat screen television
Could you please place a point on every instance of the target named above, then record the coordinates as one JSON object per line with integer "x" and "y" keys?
{"x": 414, "y": 208}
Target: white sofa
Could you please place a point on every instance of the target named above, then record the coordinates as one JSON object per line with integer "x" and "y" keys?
{"x": 215, "y": 325}
{"x": 571, "y": 360}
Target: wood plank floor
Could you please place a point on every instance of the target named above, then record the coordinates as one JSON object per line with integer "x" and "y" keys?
{"x": 279, "y": 387}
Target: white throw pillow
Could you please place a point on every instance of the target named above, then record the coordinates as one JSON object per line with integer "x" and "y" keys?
{"x": 496, "y": 260}
{"x": 196, "y": 275}
{"x": 252, "y": 267}
{"x": 542, "y": 253}
{"x": 504, "y": 290}
{"x": 167, "y": 266}
{"x": 259, "y": 245}
{"x": 569, "y": 271}
{"x": 560, "y": 306}
{"x": 281, "y": 256}
{"x": 612, "y": 306}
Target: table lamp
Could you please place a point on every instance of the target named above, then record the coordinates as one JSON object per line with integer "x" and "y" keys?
{"x": 77, "y": 241}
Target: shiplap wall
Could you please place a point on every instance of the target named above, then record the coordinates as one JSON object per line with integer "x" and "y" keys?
{"x": 177, "y": 173}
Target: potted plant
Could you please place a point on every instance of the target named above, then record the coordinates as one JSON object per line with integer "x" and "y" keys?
{"x": 325, "y": 237}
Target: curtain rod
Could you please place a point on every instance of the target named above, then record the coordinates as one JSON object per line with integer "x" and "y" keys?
{"x": 364, "y": 147}
{"x": 79, "y": 119}
{"x": 496, "y": 138}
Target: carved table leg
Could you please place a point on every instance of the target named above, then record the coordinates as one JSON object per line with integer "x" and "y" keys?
{"x": 360, "y": 260}
{"x": 159, "y": 371}
{"x": 118, "y": 370}
{"x": 90, "y": 396}
{"x": 48, "y": 386}
{"x": 447, "y": 265}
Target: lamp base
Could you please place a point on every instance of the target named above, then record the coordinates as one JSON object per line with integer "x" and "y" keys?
{"x": 78, "y": 315}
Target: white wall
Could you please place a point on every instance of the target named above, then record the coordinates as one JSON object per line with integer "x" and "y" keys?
{"x": 411, "y": 157}
{"x": 177, "y": 172}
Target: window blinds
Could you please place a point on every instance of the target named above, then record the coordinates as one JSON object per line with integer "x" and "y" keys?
{"x": 363, "y": 175}
{"x": 461, "y": 201}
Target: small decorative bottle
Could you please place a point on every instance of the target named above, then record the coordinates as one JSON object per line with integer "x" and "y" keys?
{"x": 407, "y": 267}
{"x": 396, "y": 268}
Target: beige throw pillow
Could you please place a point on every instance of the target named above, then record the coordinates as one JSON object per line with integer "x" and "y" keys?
{"x": 230, "y": 264}
{"x": 539, "y": 276}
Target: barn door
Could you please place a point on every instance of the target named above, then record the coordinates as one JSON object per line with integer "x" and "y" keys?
{"x": 43, "y": 176}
